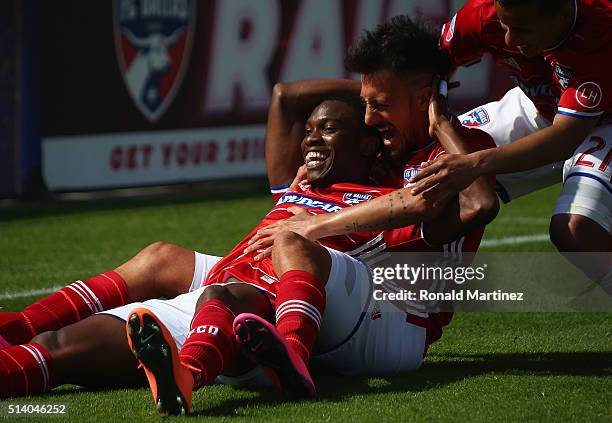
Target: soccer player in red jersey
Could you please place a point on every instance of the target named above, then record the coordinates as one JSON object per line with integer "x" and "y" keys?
{"x": 557, "y": 54}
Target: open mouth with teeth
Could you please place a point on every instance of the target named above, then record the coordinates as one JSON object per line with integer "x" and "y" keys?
{"x": 316, "y": 159}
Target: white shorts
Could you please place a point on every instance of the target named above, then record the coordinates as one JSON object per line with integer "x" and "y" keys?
{"x": 587, "y": 179}
{"x": 507, "y": 120}
{"x": 357, "y": 336}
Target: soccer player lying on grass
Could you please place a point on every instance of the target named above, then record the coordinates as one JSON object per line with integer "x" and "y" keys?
{"x": 73, "y": 348}
{"x": 65, "y": 356}
{"x": 384, "y": 339}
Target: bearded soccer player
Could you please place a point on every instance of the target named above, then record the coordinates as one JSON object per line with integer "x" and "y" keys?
{"x": 556, "y": 51}
{"x": 65, "y": 356}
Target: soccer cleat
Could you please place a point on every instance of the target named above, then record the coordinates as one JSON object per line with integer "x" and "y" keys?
{"x": 170, "y": 381}
{"x": 262, "y": 343}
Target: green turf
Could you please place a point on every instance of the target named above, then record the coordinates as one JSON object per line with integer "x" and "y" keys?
{"x": 487, "y": 366}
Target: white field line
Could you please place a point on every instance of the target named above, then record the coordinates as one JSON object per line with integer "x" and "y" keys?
{"x": 30, "y": 293}
{"x": 511, "y": 240}
{"x": 514, "y": 240}
{"x": 524, "y": 220}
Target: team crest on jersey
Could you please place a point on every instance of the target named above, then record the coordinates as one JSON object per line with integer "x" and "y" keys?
{"x": 563, "y": 75}
{"x": 352, "y": 198}
{"x": 476, "y": 118}
{"x": 409, "y": 173}
{"x": 153, "y": 45}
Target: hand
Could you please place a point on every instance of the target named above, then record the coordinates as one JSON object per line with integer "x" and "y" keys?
{"x": 438, "y": 107}
{"x": 300, "y": 176}
{"x": 450, "y": 173}
{"x": 263, "y": 240}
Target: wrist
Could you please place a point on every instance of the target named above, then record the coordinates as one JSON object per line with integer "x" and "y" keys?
{"x": 441, "y": 125}
{"x": 480, "y": 162}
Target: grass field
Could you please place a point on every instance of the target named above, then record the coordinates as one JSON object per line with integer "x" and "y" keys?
{"x": 488, "y": 366}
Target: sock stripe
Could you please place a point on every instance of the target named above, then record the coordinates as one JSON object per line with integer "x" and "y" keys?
{"x": 23, "y": 371}
{"x": 42, "y": 363}
{"x": 85, "y": 300}
{"x": 299, "y": 303}
{"x": 123, "y": 299}
{"x": 300, "y": 307}
{"x": 303, "y": 312}
{"x": 92, "y": 296}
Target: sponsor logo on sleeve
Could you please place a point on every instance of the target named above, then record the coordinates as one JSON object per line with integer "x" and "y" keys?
{"x": 589, "y": 95}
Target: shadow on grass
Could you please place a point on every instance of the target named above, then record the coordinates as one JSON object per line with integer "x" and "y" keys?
{"x": 59, "y": 205}
{"x": 442, "y": 370}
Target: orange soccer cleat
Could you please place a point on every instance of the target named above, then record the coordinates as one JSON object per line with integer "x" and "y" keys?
{"x": 170, "y": 380}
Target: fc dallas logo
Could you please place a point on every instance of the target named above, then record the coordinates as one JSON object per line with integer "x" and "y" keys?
{"x": 153, "y": 43}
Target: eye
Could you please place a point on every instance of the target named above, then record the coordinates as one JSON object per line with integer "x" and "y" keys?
{"x": 307, "y": 132}
{"x": 330, "y": 130}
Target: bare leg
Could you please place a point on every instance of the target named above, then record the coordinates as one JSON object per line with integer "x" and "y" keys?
{"x": 93, "y": 352}
{"x": 294, "y": 252}
{"x": 159, "y": 270}
{"x": 576, "y": 233}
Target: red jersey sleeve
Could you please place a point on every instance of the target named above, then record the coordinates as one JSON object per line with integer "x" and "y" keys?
{"x": 278, "y": 191}
{"x": 588, "y": 96}
{"x": 461, "y": 37}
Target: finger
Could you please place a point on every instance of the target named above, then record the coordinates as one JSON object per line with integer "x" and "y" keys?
{"x": 295, "y": 210}
{"x": 264, "y": 254}
{"x": 431, "y": 169}
{"x": 259, "y": 244}
{"x": 424, "y": 185}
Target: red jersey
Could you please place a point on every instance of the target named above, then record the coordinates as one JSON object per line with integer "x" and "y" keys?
{"x": 571, "y": 78}
{"x": 411, "y": 238}
{"x": 317, "y": 201}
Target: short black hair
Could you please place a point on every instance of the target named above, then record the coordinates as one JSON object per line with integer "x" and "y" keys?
{"x": 545, "y": 7}
{"x": 400, "y": 45}
{"x": 358, "y": 106}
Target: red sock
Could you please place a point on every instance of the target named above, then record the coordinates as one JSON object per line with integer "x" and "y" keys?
{"x": 211, "y": 344}
{"x": 68, "y": 305}
{"x": 300, "y": 302}
{"x": 24, "y": 370}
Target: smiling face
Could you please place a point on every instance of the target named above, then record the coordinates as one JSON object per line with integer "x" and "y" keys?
{"x": 530, "y": 30}
{"x": 336, "y": 146}
{"x": 397, "y": 108}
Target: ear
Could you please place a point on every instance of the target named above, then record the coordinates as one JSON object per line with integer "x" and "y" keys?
{"x": 422, "y": 97}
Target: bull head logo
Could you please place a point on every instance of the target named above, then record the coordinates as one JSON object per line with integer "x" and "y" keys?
{"x": 153, "y": 44}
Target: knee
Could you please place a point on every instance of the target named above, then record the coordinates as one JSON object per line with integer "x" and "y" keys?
{"x": 216, "y": 292}
{"x": 157, "y": 253}
{"x": 569, "y": 232}
{"x": 288, "y": 240}
{"x": 50, "y": 341}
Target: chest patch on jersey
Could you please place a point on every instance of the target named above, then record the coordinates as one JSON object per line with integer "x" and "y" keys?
{"x": 308, "y": 202}
{"x": 352, "y": 198}
{"x": 409, "y": 172}
{"x": 476, "y": 118}
{"x": 563, "y": 75}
